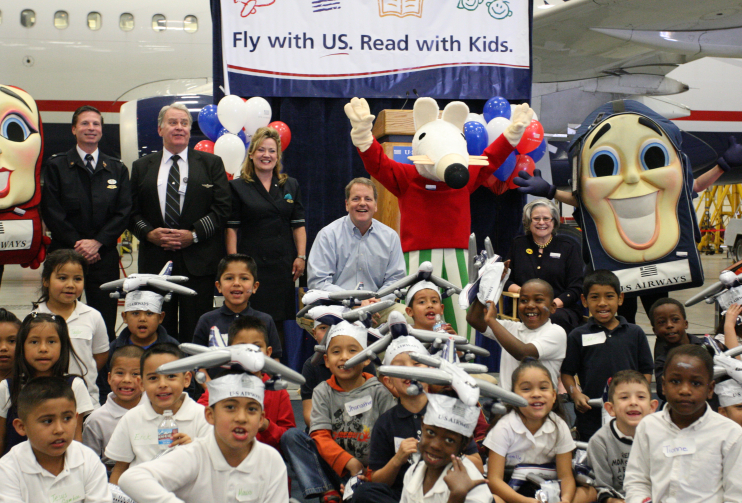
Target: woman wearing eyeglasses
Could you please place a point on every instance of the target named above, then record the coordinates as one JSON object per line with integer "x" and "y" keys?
{"x": 544, "y": 254}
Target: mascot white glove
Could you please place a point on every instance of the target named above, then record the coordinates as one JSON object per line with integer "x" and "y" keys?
{"x": 360, "y": 117}
{"x": 520, "y": 119}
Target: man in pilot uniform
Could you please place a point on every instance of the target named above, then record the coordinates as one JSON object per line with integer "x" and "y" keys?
{"x": 86, "y": 204}
{"x": 181, "y": 202}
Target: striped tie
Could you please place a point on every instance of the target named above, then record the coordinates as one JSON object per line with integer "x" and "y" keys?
{"x": 172, "y": 196}
{"x": 89, "y": 163}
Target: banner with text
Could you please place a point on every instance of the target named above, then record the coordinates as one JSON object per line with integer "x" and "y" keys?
{"x": 463, "y": 49}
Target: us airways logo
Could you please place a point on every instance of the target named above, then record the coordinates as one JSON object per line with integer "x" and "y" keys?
{"x": 251, "y": 6}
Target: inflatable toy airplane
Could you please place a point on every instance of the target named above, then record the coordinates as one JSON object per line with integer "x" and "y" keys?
{"x": 486, "y": 280}
{"x": 163, "y": 281}
{"x": 347, "y": 298}
{"x": 726, "y": 291}
{"x": 424, "y": 273}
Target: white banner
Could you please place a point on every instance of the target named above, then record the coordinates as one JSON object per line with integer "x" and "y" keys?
{"x": 654, "y": 276}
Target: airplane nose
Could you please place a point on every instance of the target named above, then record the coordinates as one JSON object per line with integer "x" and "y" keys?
{"x": 456, "y": 175}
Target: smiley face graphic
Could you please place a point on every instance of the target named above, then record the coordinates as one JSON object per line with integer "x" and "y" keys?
{"x": 631, "y": 179}
{"x": 469, "y": 4}
{"x": 499, "y": 9}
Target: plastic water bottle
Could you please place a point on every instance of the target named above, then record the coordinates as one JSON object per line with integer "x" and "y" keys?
{"x": 438, "y": 326}
{"x": 166, "y": 431}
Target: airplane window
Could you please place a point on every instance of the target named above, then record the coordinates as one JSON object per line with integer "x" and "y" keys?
{"x": 190, "y": 24}
{"x": 28, "y": 18}
{"x": 126, "y": 21}
{"x": 95, "y": 20}
{"x": 61, "y": 20}
{"x": 159, "y": 23}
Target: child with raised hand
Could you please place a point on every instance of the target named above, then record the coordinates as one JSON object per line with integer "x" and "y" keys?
{"x": 732, "y": 332}
{"x": 534, "y": 336}
{"x": 629, "y": 400}
{"x": 344, "y": 411}
{"x": 62, "y": 284}
{"x": 125, "y": 381}
{"x": 687, "y": 452}
{"x": 531, "y": 435}
{"x": 442, "y": 473}
{"x": 51, "y": 465}
{"x": 9, "y": 326}
{"x": 134, "y": 440}
{"x": 278, "y": 414}
{"x": 43, "y": 348}
{"x": 730, "y": 400}
{"x": 423, "y": 301}
{"x": 226, "y": 465}
{"x": 397, "y": 432}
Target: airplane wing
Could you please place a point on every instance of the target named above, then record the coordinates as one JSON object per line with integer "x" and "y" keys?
{"x": 167, "y": 286}
{"x": 430, "y": 376}
{"x": 495, "y": 391}
{"x": 473, "y": 368}
{"x": 194, "y": 349}
{"x": 429, "y": 336}
{"x": 702, "y": 295}
{"x": 362, "y": 313}
{"x": 207, "y": 359}
{"x": 112, "y": 285}
{"x": 397, "y": 286}
{"x": 430, "y": 361}
{"x": 371, "y": 352}
{"x": 275, "y": 369}
{"x": 475, "y": 350}
{"x": 442, "y": 283}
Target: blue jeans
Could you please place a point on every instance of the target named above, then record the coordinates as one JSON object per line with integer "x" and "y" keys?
{"x": 313, "y": 474}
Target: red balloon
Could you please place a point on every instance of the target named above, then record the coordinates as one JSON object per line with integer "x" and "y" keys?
{"x": 532, "y": 138}
{"x": 205, "y": 146}
{"x": 283, "y": 131}
{"x": 522, "y": 163}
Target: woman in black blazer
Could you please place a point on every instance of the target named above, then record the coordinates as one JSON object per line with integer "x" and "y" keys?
{"x": 267, "y": 223}
{"x": 544, "y": 254}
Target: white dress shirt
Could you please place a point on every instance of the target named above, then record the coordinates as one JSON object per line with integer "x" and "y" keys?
{"x": 82, "y": 155}
{"x": 82, "y": 397}
{"x": 164, "y": 173}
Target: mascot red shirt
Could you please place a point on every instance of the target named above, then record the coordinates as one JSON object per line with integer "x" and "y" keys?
{"x": 21, "y": 146}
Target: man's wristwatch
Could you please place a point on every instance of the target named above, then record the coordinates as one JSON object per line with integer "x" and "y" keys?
{"x": 195, "y": 237}
{"x": 303, "y": 257}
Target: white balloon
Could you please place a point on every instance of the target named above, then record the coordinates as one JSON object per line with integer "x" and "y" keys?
{"x": 476, "y": 118}
{"x": 258, "y": 114}
{"x": 496, "y": 126}
{"x": 232, "y": 151}
{"x": 535, "y": 117}
{"x": 232, "y": 112}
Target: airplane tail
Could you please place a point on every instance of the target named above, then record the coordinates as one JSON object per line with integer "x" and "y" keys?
{"x": 168, "y": 269}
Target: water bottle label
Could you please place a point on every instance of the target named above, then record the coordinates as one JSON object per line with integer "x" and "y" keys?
{"x": 165, "y": 436}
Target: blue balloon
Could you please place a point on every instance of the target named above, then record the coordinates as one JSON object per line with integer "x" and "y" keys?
{"x": 241, "y": 135}
{"x": 506, "y": 168}
{"x": 537, "y": 153}
{"x": 496, "y": 107}
{"x": 209, "y": 123}
{"x": 476, "y": 137}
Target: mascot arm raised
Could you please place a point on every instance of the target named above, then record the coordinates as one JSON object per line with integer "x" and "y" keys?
{"x": 520, "y": 118}
{"x": 536, "y": 186}
{"x": 361, "y": 120}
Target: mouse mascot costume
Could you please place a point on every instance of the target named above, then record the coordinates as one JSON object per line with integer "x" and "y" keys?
{"x": 21, "y": 146}
{"x": 634, "y": 187}
{"x": 433, "y": 193}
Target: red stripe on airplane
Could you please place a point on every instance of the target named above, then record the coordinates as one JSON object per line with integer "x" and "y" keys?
{"x": 713, "y": 116}
{"x": 72, "y": 105}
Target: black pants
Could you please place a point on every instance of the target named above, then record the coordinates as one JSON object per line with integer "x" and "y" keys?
{"x": 630, "y": 305}
{"x": 374, "y": 492}
{"x": 183, "y": 311}
{"x": 103, "y": 271}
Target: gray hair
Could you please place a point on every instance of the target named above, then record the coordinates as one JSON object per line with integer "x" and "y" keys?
{"x": 528, "y": 209}
{"x": 361, "y": 181}
{"x": 177, "y": 106}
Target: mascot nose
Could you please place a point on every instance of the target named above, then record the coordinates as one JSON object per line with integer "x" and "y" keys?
{"x": 456, "y": 175}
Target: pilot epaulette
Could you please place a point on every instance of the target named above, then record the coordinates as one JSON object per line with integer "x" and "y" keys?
{"x": 57, "y": 154}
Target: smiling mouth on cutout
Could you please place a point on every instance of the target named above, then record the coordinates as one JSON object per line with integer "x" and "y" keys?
{"x": 5, "y": 181}
{"x": 636, "y": 218}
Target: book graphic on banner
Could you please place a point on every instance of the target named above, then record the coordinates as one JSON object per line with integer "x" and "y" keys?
{"x": 401, "y": 8}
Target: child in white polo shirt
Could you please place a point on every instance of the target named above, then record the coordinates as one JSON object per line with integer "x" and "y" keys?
{"x": 226, "y": 466}
{"x": 134, "y": 440}
{"x": 50, "y": 466}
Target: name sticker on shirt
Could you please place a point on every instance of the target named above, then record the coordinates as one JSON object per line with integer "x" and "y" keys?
{"x": 513, "y": 459}
{"x": 144, "y": 438}
{"x": 80, "y": 333}
{"x": 679, "y": 447}
{"x": 247, "y": 493}
{"x": 397, "y": 442}
{"x": 67, "y": 494}
{"x": 359, "y": 406}
{"x": 593, "y": 339}
{"x": 555, "y": 255}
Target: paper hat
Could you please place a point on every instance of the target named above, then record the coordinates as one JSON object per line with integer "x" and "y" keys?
{"x": 420, "y": 285}
{"x": 452, "y": 414}
{"x": 358, "y": 332}
{"x": 327, "y": 315}
{"x": 143, "y": 300}
{"x": 236, "y": 386}
{"x": 403, "y": 344}
{"x": 729, "y": 392}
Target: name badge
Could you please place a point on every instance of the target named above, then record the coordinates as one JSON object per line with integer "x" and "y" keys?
{"x": 679, "y": 447}
{"x": 430, "y": 187}
{"x": 555, "y": 255}
{"x": 593, "y": 339}
{"x": 144, "y": 439}
{"x": 359, "y": 406}
{"x": 513, "y": 459}
{"x": 247, "y": 493}
{"x": 67, "y": 494}
{"x": 112, "y": 181}
{"x": 80, "y": 333}
{"x": 397, "y": 442}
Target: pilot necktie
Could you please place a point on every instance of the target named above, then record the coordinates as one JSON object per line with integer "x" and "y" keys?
{"x": 89, "y": 163}
{"x": 172, "y": 195}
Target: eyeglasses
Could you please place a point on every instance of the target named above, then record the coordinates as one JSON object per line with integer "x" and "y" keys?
{"x": 545, "y": 220}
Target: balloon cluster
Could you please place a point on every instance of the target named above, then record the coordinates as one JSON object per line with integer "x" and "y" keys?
{"x": 481, "y": 130}
{"x": 230, "y": 126}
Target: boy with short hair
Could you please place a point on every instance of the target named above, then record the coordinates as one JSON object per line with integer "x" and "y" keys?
{"x": 226, "y": 465}
{"x": 534, "y": 336}
{"x": 134, "y": 440}
{"x": 601, "y": 347}
{"x": 687, "y": 452}
{"x": 237, "y": 280}
{"x": 278, "y": 414}
{"x": 397, "y": 432}
{"x": 423, "y": 304}
{"x": 125, "y": 381}
{"x": 143, "y": 316}
{"x": 51, "y": 466}
{"x": 345, "y": 409}
{"x": 629, "y": 400}
{"x": 730, "y": 400}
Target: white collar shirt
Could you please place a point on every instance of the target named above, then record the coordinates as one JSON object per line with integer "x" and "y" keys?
{"x": 82, "y": 155}
{"x": 99, "y": 426}
{"x": 439, "y": 493}
{"x": 162, "y": 175}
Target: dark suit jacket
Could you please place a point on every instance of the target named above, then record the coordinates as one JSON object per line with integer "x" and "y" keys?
{"x": 206, "y": 207}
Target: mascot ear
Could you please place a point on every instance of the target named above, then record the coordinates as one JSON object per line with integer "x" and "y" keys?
{"x": 425, "y": 110}
{"x": 455, "y": 113}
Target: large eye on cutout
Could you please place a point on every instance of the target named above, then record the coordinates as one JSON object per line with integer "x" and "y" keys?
{"x": 422, "y": 135}
{"x": 603, "y": 163}
{"x": 15, "y": 128}
{"x": 654, "y": 155}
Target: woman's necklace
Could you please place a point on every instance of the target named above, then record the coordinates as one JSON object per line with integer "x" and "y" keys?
{"x": 542, "y": 246}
